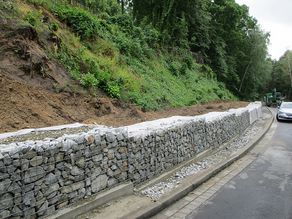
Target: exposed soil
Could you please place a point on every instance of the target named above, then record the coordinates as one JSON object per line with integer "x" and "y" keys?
{"x": 25, "y": 106}
{"x": 36, "y": 91}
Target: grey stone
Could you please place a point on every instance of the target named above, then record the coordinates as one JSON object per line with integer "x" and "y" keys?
{"x": 24, "y": 164}
{"x": 6, "y": 201}
{"x": 99, "y": 183}
{"x": 59, "y": 157}
{"x": 16, "y": 211}
{"x": 52, "y": 195}
{"x": 4, "y": 214}
{"x": 110, "y": 137}
{"x": 51, "y": 178}
{"x": 82, "y": 192}
{"x": 87, "y": 153}
{"x": 120, "y": 136}
{"x": 29, "y": 199}
{"x": 80, "y": 139}
{"x": 33, "y": 174}
{"x": 97, "y": 138}
{"x": 68, "y": 144}
{"x": 111, "y": 182}
{"x": 72, "y": 187}
{"x": 36, "y": 161}
{"x": 55, "y": 199}
{"x": 43, "y": 208}
{"x": 14, "y": 187}
{"x": 39, "y": 196}
{"x": 95, "y": 172}
{"x": 81, "y": 162}
{"x": 76, "y": 171}
{"x": 29, "y": 213}
{"x": 10, "y": 169}
{"x": 29, "y": 154}
{"x": 52, "y": 188}
{"x": 17, "y": 198}
{"x": 114, "y": 167}
{"x": 97, "y": 158}
{"x": 51, "y": 210}
{"x": 4, "y": 185}
{"x": 28, "y": 187}
{"x": 87, "y": 182}
{"x": 110, "y": 172}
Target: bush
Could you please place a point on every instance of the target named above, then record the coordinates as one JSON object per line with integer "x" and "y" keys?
{"x": 53, "y": 26}
{"x": 89, "y": 80}
{"x": 33, "y": 17}
{"x": 113, "y": 90}
{"x": 83, "y": 23}
{"x": 70, "y": 61}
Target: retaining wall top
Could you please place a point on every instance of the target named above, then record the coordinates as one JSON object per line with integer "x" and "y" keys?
{"x": 137, "y": 130}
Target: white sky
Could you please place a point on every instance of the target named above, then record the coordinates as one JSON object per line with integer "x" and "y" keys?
{"x": 275, "y": 17}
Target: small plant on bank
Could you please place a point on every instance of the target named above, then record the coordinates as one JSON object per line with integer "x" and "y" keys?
{"x": 34, "y": 18}
{"x": 88, "y": 80}
{"x": 54, "y": 26}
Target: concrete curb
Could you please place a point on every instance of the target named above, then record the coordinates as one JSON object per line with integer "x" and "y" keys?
{"x": 94, "y": 202}
{"x": 190, "y": 185}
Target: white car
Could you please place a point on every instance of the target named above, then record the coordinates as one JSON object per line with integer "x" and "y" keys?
{"x": 285, "y": 112}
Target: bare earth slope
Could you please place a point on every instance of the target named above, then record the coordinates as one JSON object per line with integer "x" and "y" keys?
{"x": 29, "y": 82}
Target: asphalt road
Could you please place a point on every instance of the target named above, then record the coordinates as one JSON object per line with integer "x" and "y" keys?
{"x": 263, "y": 189}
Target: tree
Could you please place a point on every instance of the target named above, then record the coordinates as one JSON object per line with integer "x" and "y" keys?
{"x": 281, "y": 75}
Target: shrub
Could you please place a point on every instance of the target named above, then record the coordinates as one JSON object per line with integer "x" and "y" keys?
{"x": 89, "y": 80}
{"x": 113, "y": 90}
{"x": 85, "y": 25}
{"x": 53, "y": 26}
{"x": 33, "y": 17}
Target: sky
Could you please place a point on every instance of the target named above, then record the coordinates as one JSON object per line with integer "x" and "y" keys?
{"x": 275, "y": 17}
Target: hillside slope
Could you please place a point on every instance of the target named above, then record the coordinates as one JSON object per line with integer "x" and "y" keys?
{"x": 54, "y": 70}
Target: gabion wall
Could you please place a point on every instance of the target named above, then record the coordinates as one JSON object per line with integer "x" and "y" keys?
{"x": 39, "y": 177}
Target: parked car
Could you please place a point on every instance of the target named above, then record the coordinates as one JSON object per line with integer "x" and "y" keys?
{"x": 285, "y": 111}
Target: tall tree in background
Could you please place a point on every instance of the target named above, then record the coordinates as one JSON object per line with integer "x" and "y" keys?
{"x": 282, "y": 76}
{"x": 184, "y": 23}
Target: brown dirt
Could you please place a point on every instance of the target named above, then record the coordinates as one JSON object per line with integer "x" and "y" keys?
{"x": 29, "y": 82}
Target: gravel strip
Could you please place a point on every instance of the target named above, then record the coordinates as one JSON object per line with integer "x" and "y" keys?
{"x": 156, "y": 191}
{"x": 41, "y": 135}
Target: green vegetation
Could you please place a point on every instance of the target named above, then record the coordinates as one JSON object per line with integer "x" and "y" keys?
{"x": 282, "y": 75}
{"x": 157, "y": 54}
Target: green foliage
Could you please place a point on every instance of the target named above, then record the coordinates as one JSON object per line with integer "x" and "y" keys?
{"x": 34, "y": 18}
{"x": 219, "y": 33}
{"x": 54, "y": 26}
{"x": 113, "y": 90}
{"x": 83, "y": 23}
{"x": 110, "y": 7}
{"x": 70, "y": 60}
{"x": 37, "y": 2}
{"x": 141, "y": 62}
{"x": 89, "y": 80}
{"x": 281, "y": 77}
